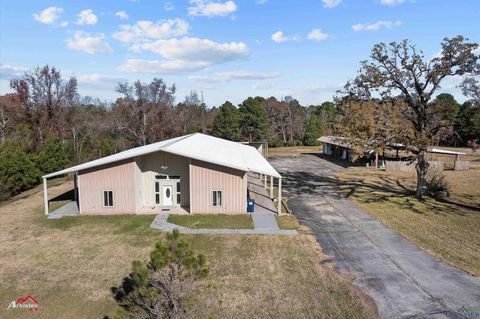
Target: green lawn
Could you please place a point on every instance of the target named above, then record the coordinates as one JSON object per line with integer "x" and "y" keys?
{"x": 287, "y": 222}
{"x": 240, "y": 221}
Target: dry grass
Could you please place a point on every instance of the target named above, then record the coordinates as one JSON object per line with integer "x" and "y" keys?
{"x": 242, "y": 221}
{"x": 447, "y": 229}
{"x": 70, "y": 265}
{"x": 293, "y": 150}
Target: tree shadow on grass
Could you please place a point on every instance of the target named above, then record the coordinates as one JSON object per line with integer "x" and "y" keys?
{"x": 390, "y": 190}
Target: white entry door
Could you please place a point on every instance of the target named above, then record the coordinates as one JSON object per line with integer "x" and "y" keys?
{"x": 167, "y": 193}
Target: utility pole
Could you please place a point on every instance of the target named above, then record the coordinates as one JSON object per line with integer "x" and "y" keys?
{"x": 204, "y": 128}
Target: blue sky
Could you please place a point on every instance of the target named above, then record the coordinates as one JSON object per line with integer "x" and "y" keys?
{"x": 227, "y": 49}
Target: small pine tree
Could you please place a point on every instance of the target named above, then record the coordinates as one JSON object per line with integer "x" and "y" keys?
{"x": 227, "y": 123}
{"x": 313, "y": 130}
{"x": 161, "y": 287}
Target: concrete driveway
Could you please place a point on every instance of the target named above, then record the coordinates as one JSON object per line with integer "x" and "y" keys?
{"x": 404, "y": 281}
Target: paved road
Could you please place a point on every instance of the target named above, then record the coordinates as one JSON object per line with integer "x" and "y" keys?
{"x": 404, "y": 281}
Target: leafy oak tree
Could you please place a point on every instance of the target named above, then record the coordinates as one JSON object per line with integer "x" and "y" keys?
{"x": 399, "y": 71}
{"x": 227, "y": 123}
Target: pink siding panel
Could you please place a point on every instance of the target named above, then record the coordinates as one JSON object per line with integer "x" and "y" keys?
{"x": 117, "y": 177}
{"x": 207, "y": 177}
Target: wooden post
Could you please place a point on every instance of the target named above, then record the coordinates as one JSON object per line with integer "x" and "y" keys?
{"x": 279, "y": 203}
{"x": 271, "y": 187}
{"x": 45, "y": 196}
{"x": 265, "y": 181}
{"x": 376, "y": 161}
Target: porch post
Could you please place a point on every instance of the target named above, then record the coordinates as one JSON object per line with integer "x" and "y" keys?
{"x": 45, "y": 196}
{"x": 265, "y": 180}
{"x": 279, "y": 205}
{"x": 271, "y": 186}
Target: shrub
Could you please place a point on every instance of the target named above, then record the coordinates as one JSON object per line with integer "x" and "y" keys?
{"x": 437, "y": 185}
{"x": 474, "y": 145}
{"x": 160, "y": 288}
{"x": 18, "y": 171}
{"x": 4, "y": 190}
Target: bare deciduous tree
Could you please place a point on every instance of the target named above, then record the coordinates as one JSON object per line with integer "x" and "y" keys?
{"x": 42, "y": 95}
{"x": 143, "y": 111}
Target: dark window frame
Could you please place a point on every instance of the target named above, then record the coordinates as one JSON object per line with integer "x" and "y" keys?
{"x": 217, "y": 198}
{"x": 108, "y": 198}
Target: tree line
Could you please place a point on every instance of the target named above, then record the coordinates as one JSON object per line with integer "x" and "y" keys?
{"x": 46, "y": 125}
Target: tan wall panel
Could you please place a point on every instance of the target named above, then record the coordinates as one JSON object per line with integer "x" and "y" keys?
{"x": 206, "y": 177}
{"x": 117, "y": 177}
{"x": 151, "y": 165}
{"x": 137, "y": 175}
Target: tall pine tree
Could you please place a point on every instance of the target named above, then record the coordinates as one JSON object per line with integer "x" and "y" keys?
{"x": 227, "y": 123}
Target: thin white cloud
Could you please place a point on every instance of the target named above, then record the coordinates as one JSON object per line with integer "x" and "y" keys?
{"x": 48, "y": 16}
{"x": 376, "y": 26}
{"x": 331, "y": 3}
{"x": 262, "y": 85}
{"x": 8, "y": 72}
{"x": 145, "y": 29}
{"x": 86, "y": 42}
{"x": 391, "y": 3}
{"x": 210, "y": 8}
{"x": 185, "y": 54}
{"x": 280, "y": 37}
{"x": 318, "y": 35}
{"x": 98, "y": 81}
{"x": 86, "y": 17}
{"x": 122, "y": 15}
{"x": 322, "y": 87}
{"x": 168, "y": 6}
{"x": 161, "y": 66}
{"x": 261, "y": 1}
{"x": 234, "y": 75}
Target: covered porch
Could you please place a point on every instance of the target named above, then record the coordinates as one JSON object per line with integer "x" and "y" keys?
{"x": 260, "y": 189}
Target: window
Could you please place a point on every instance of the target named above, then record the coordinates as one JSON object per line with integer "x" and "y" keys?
{"x": 157, "y": 193}
{"x": 174, "y": 177}
{"x": 108, "y": 198}
{"x": 217, "y": 198}
{"x": 179, "y": 196}
{"x": 161, "y": 176}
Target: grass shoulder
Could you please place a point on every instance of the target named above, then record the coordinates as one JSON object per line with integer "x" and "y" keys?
{"x": 239, "y": 221}
{"x": 287, "y": 222}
